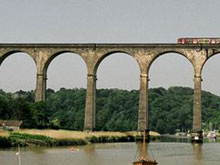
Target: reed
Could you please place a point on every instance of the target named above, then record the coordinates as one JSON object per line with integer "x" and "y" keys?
{"x": 4, "y": 133}
{"x": 67, "y": 134}
{"x": 57, "y": 134}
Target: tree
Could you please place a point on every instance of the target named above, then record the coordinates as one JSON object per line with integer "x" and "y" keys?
{"x": 40, "y": 115}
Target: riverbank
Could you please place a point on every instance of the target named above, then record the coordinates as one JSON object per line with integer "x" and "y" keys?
{"x": 34, "y": 137}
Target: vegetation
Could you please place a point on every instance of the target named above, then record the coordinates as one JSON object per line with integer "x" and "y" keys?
{"x": 36, "y": 140}
{"x": 68, "y": 134}
{"x": 36, "y": 137}
{"x": 116, "y": 110}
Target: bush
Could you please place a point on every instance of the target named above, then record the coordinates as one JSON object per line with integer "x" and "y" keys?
{"x": 5, "y": 142}
{"x": 27, "y": 139}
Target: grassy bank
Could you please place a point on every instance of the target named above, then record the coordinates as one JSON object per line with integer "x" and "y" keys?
{"x": 33, "y": 137}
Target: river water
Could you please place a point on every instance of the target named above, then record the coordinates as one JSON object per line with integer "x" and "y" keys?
{"x": 166, "y": 153}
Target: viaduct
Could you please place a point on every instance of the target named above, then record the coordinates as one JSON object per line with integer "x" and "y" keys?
{"x": 93, "y": 54}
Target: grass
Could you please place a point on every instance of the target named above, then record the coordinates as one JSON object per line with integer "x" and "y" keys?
{"x": 35, "y": 137}
{"x": 66, "y": 134}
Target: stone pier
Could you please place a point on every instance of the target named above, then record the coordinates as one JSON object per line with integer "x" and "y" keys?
{"x": 196, "y": 135}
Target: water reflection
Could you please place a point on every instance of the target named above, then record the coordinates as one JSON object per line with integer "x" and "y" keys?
{"x": 197, "y": 148}
{"x": 173, "y": 138}
{"x": 89, "y": 148}
{"x": 90, "y": 152}
{"x": 144, "y": 151}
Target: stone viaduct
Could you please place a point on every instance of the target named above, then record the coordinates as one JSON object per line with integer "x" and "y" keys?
{"x": 93, "y": 54}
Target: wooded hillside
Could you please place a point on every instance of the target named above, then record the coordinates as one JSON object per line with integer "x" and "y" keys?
{"x": 116, "y": 109}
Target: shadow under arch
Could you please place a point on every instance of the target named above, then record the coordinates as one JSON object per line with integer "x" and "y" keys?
{"x": 11, "y": 53}
{"x": 52, "y": 57}
{"x": 167, "y": 53}
{"x": 99, "y": 61}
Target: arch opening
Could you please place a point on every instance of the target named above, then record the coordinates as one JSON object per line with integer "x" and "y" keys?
{"x": 211, "y": 94}
{"x": 210, "y": 75}
{"x": 66, "y": 91}
{"x": 17, "y": 84}
{"x": 171, "y": 94}
{"x": 18, "y": 72}
{"x": 117, "y": 94}
{"x": 100, "y": 60}
{"x": 66, "y": 66}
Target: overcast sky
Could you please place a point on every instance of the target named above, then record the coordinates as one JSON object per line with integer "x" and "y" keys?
{"x": 107, "y": 21}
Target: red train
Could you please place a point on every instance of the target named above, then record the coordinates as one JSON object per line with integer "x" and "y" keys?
{"x": 198, "y": 40}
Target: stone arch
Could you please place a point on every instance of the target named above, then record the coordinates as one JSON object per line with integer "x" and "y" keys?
{"x": 53, "y": 56}
{"x": 155, "y": 57}
{"x": 213, "y": 53}
{"x": 100, "y": 59}
{"x": 42, "y": 72}
{"x": 12, "y": 52}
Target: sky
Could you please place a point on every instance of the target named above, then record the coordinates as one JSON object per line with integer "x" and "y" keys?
{"x": 105, "y": 21}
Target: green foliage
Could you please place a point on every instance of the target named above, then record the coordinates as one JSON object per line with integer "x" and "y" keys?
{"x": 15, "y": 108}
{"x": 27, "y": 139}
{"x": 116, "y": 110}
{"x": 67, "y": 108}
{"x": 40, "y": 115}
{"x": 36, "y": 140}
{"x": 170, "y": 109}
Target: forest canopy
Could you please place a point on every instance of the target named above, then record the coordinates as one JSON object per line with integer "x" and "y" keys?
{"x": 116, "y": 109}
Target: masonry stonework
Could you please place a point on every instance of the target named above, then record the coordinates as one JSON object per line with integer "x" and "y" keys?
{"x": 93, "y": 54}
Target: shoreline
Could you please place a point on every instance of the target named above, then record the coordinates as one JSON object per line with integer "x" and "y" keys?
{"x": 35, "y": 137}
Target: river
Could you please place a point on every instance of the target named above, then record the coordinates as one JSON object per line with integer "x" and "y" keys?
{"x": 166, "y": 153}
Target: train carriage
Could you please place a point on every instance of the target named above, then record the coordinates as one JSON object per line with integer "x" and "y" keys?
{"x": 198, "y": 40}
